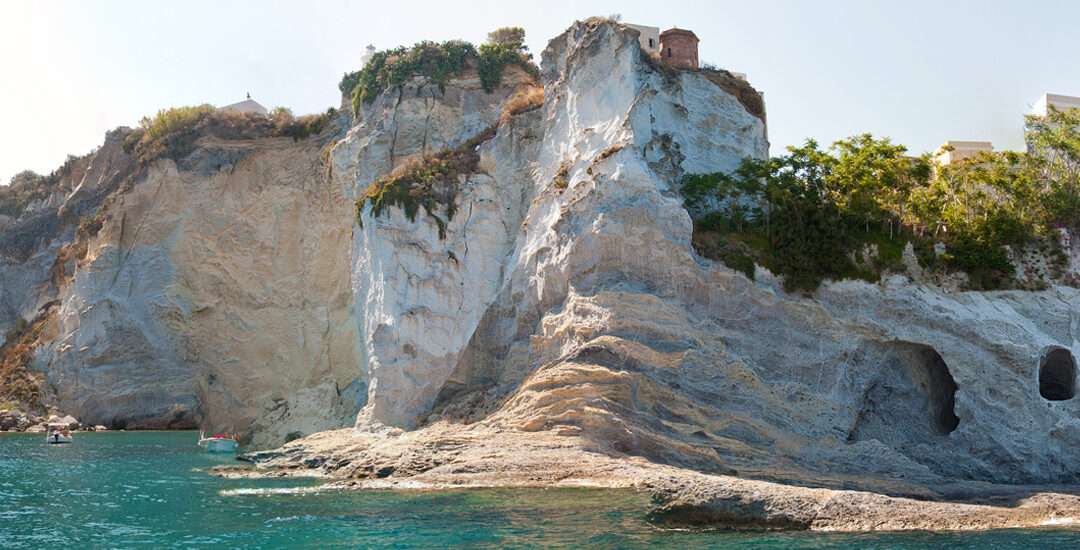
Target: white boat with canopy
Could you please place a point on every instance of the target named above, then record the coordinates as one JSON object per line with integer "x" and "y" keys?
{"x": 57, "y": 433}
{"x": 220, "y": 443}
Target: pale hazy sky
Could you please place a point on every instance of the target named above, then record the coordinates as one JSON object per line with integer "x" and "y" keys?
{"x": 919, "y": 72}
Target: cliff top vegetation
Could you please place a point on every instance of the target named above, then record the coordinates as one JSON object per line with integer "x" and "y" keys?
{"x": 848, "y": 212}
{"x": 27, "y": 186}
{"x": 438, "y": 63}
{"x": 172, "y": 133}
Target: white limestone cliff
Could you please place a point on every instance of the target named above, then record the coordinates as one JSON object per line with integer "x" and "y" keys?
{"x": 602, "y": 318}
{"x": 564, "y": 301}
{"x": 218, "y": 298}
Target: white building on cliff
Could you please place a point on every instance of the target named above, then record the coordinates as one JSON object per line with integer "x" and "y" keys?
{"x": 1042, "y": 107}
{"x": 953, "y": 151}
{"x": 649, "y": 38}
{"x": 246, "y": 106}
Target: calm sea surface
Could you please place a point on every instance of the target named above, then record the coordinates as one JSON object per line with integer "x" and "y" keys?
{"x": 140, "y": 490}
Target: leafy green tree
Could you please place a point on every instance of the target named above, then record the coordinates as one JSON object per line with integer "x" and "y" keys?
{"x": 513, "y": 36}
{"x": 810, "y": 214}
{"x": 1054, "y": 147}
{"x": 23, "y": 188}
{"x": 505, "y": 46}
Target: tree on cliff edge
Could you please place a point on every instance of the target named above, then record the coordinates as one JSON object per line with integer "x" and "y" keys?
{"x": 508, "y": 36}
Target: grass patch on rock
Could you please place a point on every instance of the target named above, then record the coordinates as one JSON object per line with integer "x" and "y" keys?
{"x": 431, "y": 183}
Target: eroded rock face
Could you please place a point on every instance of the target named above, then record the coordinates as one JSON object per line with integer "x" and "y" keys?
{"x": 417, "y": 296}
{"x": 605, "y": 324}
{"x": 439, "y": 313}
{"x": 24, "y": 283}
{"x": 215, "y": 297}
{"x": 219, "y": 291}
{"x": 30, "y": 270}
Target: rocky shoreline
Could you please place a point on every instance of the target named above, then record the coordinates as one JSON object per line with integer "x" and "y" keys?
{"x": 12, "y": 420}
{"x": 449, "y": 456}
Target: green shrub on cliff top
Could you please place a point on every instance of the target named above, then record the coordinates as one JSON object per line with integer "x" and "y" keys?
{"x": 390, "y": 68}
{"x": 28, "y": 186}
{"x": 287, "y": 125}
{"x": 505, "y": 46}
{"x": 494, "y": 57}
{"x": 808, "y": 215}
{"x": 24, "y": 187}
{"x": 438, "y": 63}
{"x": 172, "y": 133}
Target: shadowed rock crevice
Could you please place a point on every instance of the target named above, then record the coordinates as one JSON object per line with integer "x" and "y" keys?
{"x": 940, "y": 387}
{"x": 1057, "y": 375}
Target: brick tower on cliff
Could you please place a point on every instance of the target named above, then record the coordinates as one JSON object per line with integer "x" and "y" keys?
{"x": 678, "y": 48}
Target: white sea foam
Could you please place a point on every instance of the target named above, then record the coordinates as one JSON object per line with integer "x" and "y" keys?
{"x": 293, "y": 518}
{"x": 271, "y": 491}
{"x": 1059, "y": 521}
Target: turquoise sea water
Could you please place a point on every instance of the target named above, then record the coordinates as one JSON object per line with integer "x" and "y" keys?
{"x": 141, "y": 490}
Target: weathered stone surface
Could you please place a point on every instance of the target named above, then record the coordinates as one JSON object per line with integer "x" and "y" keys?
{"x": 221, "y": 299}
{"x": 67, "y": 420}
{"x": 29, "y": 243}
{"x": 18, "y": 421}
{"x": 8, "y": 420}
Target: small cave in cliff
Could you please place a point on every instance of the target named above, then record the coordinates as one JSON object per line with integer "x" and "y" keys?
{"x": 911, "y": 395}
{"x": 1057, "y": 375}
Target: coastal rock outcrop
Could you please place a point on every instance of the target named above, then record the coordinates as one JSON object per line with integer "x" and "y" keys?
{"x": 439, "y": 314}
{"x": 604, "y": 325}
{"x": 418, "y": 290}
{"x": 14, "y": 420}
{"x": 34, "y": 262}
{"x": 560, "y": 311}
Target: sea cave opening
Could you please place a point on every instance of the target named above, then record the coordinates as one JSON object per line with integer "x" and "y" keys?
{"x": 911, "y": 397}
{"x": 1057, "y": 375}
{"x": 940, "y": 388}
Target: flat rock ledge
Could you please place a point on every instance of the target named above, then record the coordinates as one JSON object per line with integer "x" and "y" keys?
{"x": 470, "y": 457}
{"x": 720, "y": 501}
